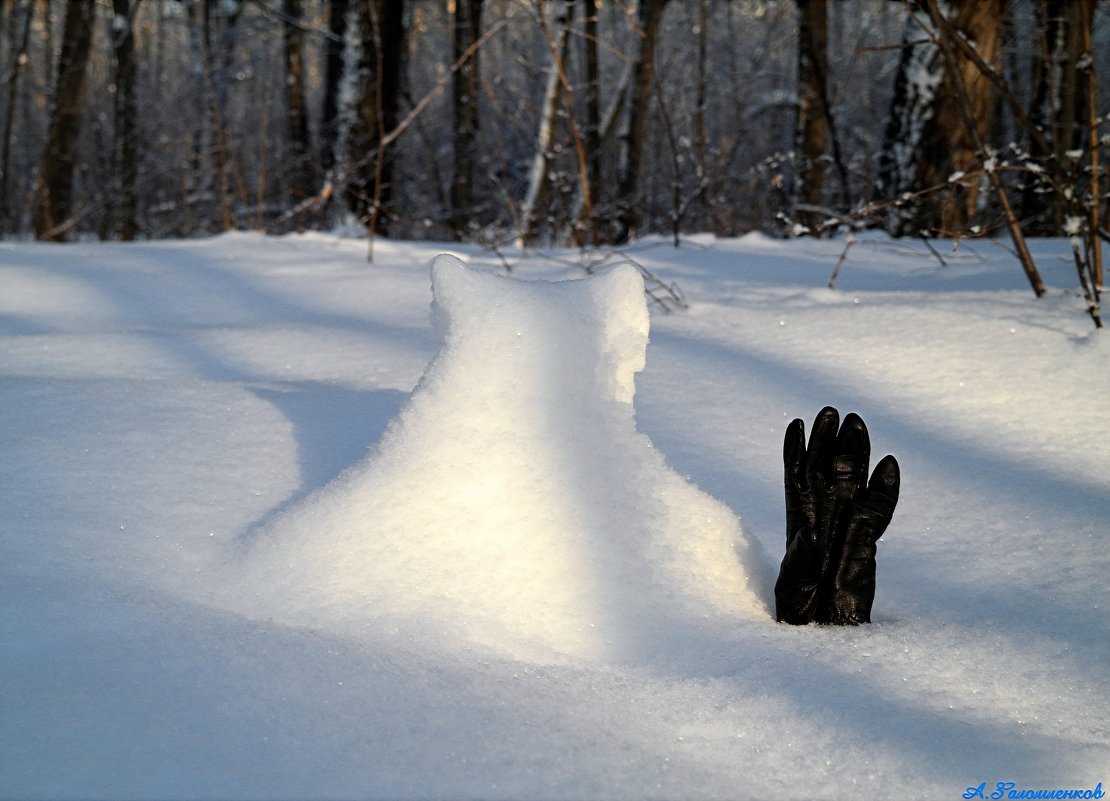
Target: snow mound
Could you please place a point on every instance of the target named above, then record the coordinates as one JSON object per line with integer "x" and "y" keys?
{"x": 512, "y": 504}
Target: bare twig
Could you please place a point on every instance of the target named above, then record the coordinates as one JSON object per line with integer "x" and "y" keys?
{"x": 1089, "y": 294}
{"x": 934, "y": 251}
{"x": 668, "y": 296}
{"x": 851, "y": 240}
{"x": 441, "y": 84}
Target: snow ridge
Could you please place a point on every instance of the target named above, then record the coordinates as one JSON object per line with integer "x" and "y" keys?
{"x": 512, "y": 504}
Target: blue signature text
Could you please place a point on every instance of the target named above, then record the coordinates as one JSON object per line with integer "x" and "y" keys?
{"x": 1009, "y": 790}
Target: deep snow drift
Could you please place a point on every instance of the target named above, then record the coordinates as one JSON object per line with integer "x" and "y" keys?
{"x": 512, "y": 502}
{"x": 197, "y": 440}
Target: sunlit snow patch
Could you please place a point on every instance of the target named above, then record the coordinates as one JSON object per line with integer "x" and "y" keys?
{"x": 512, "y": 503}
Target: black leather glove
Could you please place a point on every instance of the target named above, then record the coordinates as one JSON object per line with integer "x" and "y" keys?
{"x": 834, "y": 517}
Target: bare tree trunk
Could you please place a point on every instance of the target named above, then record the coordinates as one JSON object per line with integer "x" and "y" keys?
{"x": 211, "y": 45}
{"x": 948, "y": 39}
{"x": 54, "y": 206}
{"x": 20, "y": 36}
{"x": 1036, "y": 205}
{"x": 466, "y": 91}
{"x": 981, "y": 23}
{"x": 126, "y": 117}
{"x": 196, "y": 181}
{"x": 334, "y": 71}
{"x": 648, "y": 17}
{"x": 593, "y": 112}
{"x": 811, "y": 131}
{"x": 588, "y": 138}
{"x": 382, "y": 34}
{"x": 221, "y": 57}
{"x": 1067, "y": 127}
{"x": 366, "y": 125}
{"x": 1066, "y": 111}
{"x": 48, "y": 35}
{"x": 700, "y": 135}
{"x": 816, "y": 138}
{"x": 920, "y": 71}
{"x": 1094, "y": 154}
{"x": 261, "y": 178}
{"x": 535, "y": 200}
{"x": 928, "y": 139}
{"x": 301, "y": 183}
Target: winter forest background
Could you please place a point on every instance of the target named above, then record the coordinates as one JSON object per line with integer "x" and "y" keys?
{"x": 573, "y": 121}
{"x": 213, "y": 584}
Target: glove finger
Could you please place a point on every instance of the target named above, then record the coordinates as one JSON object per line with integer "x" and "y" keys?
{"x": 853, "y": 454}
{"x": 886, "y": 479}
{"x": 822, "y": 445}
{"x": 793, "y": 458}
{"x": 853, "y": 590}
{"x": 874, "y": 507}
{"x": 794, "y": 451}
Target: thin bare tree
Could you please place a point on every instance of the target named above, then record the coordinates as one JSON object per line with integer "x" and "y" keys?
{"x": 816, "y": 140}
{"x": 535, "y": 200}
{"x": 649, "y": 16}
{"x": 301, "y": 180}
{"x": 334, "y": 75}
{"x": 20, "y": 36}
{"x": 126, "y": 111}
{"x": 54, "y": 207}
{"x": 382, "y": 36}
{"x": 465, "y": 94}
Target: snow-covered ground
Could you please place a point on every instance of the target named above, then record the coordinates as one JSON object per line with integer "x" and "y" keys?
{"x": 513, "y": 595}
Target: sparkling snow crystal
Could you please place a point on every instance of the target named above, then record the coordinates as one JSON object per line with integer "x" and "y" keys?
{"x": 512, "y": 503}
